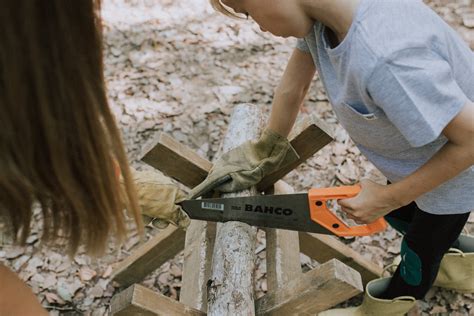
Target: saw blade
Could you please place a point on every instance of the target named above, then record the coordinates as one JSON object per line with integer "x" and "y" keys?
{"x": 287, "y": 211}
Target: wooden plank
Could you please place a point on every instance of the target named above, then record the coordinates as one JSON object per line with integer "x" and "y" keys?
{"x": 177, "y": 161}
{"x": 138, "y": 300}
{"x": 324, "y": 247}
{"x": 200, "y": 237}
{"x": 283, "y": 250}
{"x": 181, "y": 163}
{"x": 317, "y": 290}
{"x": 308, "y": 136}
{"x": 149, "y": 256}
{"x": 231, "y": 287}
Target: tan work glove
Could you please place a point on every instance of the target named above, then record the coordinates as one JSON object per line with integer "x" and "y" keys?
{"x": 157, "y": 197}
{"x": 246, "y": 165}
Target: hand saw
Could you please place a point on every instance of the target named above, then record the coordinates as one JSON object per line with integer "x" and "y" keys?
{"x": 306, "y": 212}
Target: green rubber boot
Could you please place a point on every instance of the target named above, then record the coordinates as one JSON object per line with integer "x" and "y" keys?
{"x": 456, "y": 271}
{"x": 373, "y": 306}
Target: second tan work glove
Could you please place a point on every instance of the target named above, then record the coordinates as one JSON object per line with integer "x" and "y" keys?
{"x": 246, "y": 165}
{"x": 158, "y": 198}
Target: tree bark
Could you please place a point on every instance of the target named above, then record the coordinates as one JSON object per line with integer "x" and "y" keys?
{"x": 231, "y": 286}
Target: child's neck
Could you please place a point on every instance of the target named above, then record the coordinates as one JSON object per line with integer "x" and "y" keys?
{"x": 335, "y": 14}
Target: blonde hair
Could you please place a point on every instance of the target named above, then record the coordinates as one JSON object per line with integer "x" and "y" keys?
{"x": 219, "y": 7}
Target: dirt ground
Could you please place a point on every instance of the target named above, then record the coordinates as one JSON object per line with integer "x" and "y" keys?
{"x": 178, "y": 67}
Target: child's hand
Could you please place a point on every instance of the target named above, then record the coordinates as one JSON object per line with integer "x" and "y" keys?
{"x": 373, "y": 202}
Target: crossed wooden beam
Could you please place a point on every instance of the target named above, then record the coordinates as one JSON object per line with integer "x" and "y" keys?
{"x": 334, "y": 281}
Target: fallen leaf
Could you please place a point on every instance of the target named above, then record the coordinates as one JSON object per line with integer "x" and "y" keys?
{"x": 86, "y": 274}
{"x": 13, "y": 252}
{"x": 52, "y": 298}
{"x": 108, "y": 272}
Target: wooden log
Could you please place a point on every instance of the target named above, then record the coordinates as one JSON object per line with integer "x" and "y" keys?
{"x": 307, "y": 137}
{"x": 149, "y": 256}
{"x": 200, "y": 237}
{"x": 283, "y": 250}
{"x": 317, "y": 290}
{"x": 177, "y": 161}
{"x": 231, "y": 288}
{"x": 138, "y": 300}
{"x": 324, "y": 247}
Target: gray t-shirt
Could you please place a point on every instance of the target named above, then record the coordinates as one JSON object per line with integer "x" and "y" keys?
{"x": 396, "y": 80}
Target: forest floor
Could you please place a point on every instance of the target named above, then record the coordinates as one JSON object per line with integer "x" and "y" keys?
{"x": 178, "y": 67}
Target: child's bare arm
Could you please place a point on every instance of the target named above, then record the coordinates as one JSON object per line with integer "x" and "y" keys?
{"x": 286, "y": 103}
{"x": 15, "y": 297}
{"x": 456, "y": 156}
{"x": 291, "y": 91}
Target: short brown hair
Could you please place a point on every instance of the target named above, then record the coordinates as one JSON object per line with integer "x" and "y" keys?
{"x": 59, "y": 140}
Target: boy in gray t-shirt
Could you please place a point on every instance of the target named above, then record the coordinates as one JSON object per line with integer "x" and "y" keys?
{"x": 400, "y": 81}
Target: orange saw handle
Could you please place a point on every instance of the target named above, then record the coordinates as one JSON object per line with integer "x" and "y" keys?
{"x": 324, "y": 217}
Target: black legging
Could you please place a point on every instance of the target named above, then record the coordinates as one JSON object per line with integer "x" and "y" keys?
{"x": 427, "y": 237}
